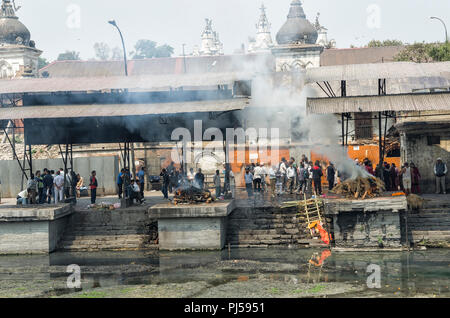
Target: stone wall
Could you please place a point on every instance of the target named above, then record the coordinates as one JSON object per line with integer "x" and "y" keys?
{"x": 32, "y": 230}
{"x": 415, "y": 149}
{"x": 264, "y": 226}
{"x": 372, "y": 229}
{"x": 107, "y": 230}
{"x": 106, "y": 167}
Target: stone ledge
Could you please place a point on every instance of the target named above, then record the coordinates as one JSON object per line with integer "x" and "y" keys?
{"x": 383, "y": 204}
{"x": 34, "y": 213}
{"x": 212, "y": 210}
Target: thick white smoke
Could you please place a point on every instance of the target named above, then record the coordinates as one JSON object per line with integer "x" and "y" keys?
{"x": 289, "y": 92}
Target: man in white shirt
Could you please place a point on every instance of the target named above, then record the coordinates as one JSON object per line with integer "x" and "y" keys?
{"x": 249, "y": 182}
{"x": 291, "y": 178}
{"x": 136, "y": 192}
{"x": 59, "y": 187}
{"x": 257, "y": 178}
{"x": 283, "y": 171}
{"x": 272, "y": 179}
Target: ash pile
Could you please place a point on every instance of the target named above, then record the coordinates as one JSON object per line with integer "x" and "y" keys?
{"x": 192, "y": 195}
{"x": 361, "y": 188}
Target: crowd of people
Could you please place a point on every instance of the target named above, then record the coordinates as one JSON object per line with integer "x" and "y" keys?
{"x": 407, "y": 177}
{"x": 129, "y": 187}
{"x": 173, "y": 178}
{"x": 304, "y": 177}
{"x": 50, "y": 187}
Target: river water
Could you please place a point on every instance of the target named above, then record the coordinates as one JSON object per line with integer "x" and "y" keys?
{"x": 272, "y": 272}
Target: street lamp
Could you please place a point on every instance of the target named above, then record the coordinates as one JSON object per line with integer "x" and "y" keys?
{"x": 113, "y": 23}
{"x": 446, "y": 35}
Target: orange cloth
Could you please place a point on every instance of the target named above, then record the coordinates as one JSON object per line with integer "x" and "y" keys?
{"x": 324, "y": 236}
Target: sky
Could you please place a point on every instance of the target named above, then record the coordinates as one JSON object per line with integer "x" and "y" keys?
{"x": 60, "y": 25}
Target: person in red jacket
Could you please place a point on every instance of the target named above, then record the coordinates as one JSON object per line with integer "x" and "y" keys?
{"x": 317, "y": 177}
{"x": 93, "y": 184}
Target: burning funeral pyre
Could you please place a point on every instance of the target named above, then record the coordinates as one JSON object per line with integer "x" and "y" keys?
{"x": 361, "y": 188}
{"x": 192, "y": 195}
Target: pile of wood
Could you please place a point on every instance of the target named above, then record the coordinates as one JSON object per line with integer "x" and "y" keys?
{"x": 192, "y": 195}
{"x": 360, "y": 188}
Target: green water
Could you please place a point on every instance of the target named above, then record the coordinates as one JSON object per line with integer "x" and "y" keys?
{"x": 273, "y": 272}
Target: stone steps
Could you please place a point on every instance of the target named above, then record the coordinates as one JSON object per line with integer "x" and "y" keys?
{"x": 105, "y": 230}
{"x": 103, "y": 242}
{"x": 264, "y": 227}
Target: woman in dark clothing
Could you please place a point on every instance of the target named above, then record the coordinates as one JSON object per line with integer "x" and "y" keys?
{"x": 415, "y": 179}
{"x": 394, "y": 178}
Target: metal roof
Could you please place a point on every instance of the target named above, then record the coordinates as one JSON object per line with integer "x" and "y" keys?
{"x": 376, "y": 71}
{"x": 132, "y": 83}
{"x": 401, "y": 102}
{"x": 118, "y": 110}
{"x": 363, "y": 55}
{"x": 161, "y": 66}
{"x": 367, "y": 87}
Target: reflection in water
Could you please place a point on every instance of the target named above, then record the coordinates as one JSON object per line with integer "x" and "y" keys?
{"x": 402, "y": 273}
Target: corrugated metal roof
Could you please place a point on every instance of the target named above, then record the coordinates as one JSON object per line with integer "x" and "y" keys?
{"x": 368, "y": 87}
{"x": 359, "y": 55}
{"x": 402, "y": 102}
{"x": 376, "y": 71}
{"x": 118, "y": 110}
{"x": 132, "y": 83}
{"x": 160, "y": 66}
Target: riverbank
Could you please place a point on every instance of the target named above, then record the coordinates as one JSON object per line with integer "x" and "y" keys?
{"x": 238, "y": 273}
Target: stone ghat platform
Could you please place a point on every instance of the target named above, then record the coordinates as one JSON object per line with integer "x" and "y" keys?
{"x": 32, "y": 229}
{"x": 371, "y": 223}
{"x": 192, "y": 227}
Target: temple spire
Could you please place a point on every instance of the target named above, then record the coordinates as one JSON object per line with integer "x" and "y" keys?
{"x": 8, "y": 9}
{"x": 263, "y": 40}
{"x": 263, "y": 25}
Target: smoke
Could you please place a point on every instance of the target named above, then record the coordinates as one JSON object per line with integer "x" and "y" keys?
{"x": 287, "y": 93}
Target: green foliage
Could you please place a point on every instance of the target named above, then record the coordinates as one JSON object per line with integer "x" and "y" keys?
{"x": 42, "y": 62}
{"x": 317, "y": 288}
{"x": 376, "y": 43}
{"x": 149, "y": 49}
{"x": 425, "y": 53}
{"x": 102, "y": 51}
{"x": 440, "y": 53}
{"x": 92, "y": 294}
{"x": 69, "y": 56}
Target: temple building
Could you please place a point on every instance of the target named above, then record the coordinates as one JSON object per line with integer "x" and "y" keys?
{"x": 297, "y": 38}
{"x": 18, "y": 54}
{"x": 322, "y": 38}
{"x": 211, "y": 44}
{"x": 263, "y": 40}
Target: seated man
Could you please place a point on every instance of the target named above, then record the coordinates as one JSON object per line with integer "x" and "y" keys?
{"x": 135, "y": 192}
{"x": 22, "y": 197}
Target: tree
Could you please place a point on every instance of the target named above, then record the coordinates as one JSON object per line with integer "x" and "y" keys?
{"x": 149, "y": 49}
{"x": 102, "y": 51}
{"x": 164, "y": 51}
{"x": 377, "y": 43}
{"x": 425, "y": 53}
{"x": 440, "y": 53}
{"x": 117, "y": 53}
{"x": 42, "y": 62}
{"x": 69, "y": 56}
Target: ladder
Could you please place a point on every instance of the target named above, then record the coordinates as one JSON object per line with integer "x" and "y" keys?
{"x": 312, "y": 210}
